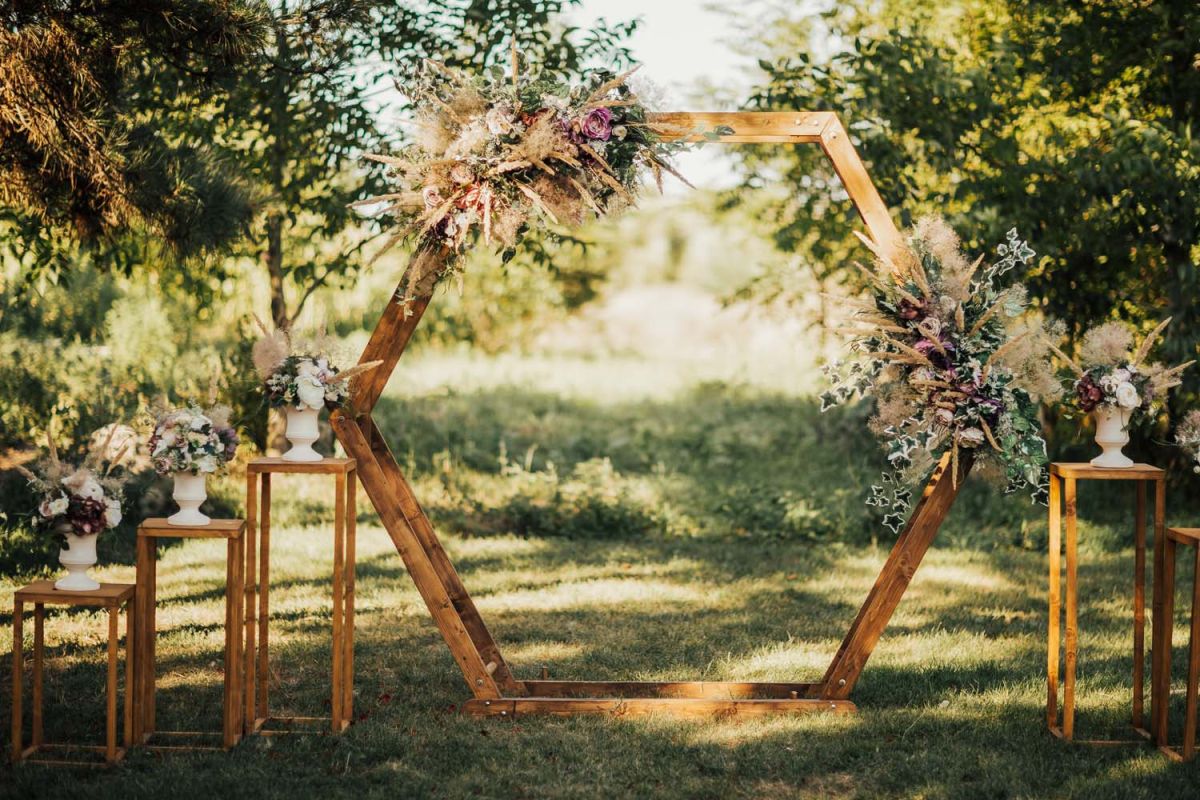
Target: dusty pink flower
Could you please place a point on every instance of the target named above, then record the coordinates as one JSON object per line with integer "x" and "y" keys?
{"x": 597, "y": 124}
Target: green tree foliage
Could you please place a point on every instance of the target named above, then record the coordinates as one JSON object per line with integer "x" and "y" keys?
{"x": 1074, "y": 122}
{"x": 83, "y": 151}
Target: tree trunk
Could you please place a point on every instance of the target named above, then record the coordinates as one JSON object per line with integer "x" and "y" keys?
{"x": 279, "y": 312}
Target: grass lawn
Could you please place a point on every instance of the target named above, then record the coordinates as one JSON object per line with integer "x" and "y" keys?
{"x": 712, "y": 531}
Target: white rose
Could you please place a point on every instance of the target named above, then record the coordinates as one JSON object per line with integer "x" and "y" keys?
{"x": 311, "y": 393}
{"x": 52, "y": 508}
{"x": 1127, "y": 396}
{"x": 84, "y": 484}
{"x": 198, "y": 421}
{"x": 1122, "y": 375}
{"x": 620, "y": 132}
{"x": 499, "y": 120}
{"x": 112, "y": 513}
{"x": 970, "y": 437}
{"x": 206, "y": 464}
{"x": 1109, "y": 383}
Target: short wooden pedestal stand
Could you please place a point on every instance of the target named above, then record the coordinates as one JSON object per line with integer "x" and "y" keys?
{"x": 232, "y": 530}
{"x": 110, "y": 596}
{"x": 258, "y": 472}
{"x": 1161, "y": 680}
{"x": 1063, "y": 478}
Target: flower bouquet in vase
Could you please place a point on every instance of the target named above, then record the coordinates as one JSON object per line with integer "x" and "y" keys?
{"x": 1187, "y": 436}
{"x": 301, "y": 378}
{"x": 190, "y": 444}
{"x": 76, "y": 504}
{"x": 1113, "y": 383}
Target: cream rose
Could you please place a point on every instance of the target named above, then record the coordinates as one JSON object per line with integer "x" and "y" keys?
{"x": 112, "y": 513}
{"x": 1127, "y": 396}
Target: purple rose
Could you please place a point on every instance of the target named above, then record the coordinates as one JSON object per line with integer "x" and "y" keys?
{"x": 597, "y": 124}
{"x": 1089, "y": 394}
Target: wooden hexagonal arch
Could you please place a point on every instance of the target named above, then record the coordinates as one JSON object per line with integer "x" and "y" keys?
{"x": 496, "y": 690}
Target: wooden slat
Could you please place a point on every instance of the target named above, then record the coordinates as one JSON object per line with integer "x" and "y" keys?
{"x": 1189, "y": 722}
{"x": 893, "y": 581}
{"x": 749, "y": 127}
{"x": 391, "y": 336}
{"x": 641, "y": 706}
{"x": 711, "y": 690}
{"x": 351, "y": 546}
{"x": 416, "y": 518}
{"x": 1071, "y": 648}
{"x": 326, "y": 466}
{"x": 380, "y": 490}
{"x": 339, "y": 588}
{"x": 1165, "y": 613}
{"x": 1139, "y": 603}
{"x": 36, "y": 738}
{"x": 18, "y": 668}
{"x": 108, "y": 595}
{"x": 217, "y": 529}
{"x": 849, "y": 167}
{"x": 110, "y": 685}
{"x": 1082, "y": 470}
{"x": 1055, "y": 616}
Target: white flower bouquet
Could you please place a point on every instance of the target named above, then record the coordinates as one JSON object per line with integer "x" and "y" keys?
{"x": 1187, "y": 436}
{"x": 82, "y": 500}
{"x": 192, "y": 441}
{"x": 301, "y": 375}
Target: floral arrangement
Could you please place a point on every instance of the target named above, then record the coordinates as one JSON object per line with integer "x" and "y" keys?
{"x": 301, "y": 374}
{"x": 192, "y": 440}
{"x": 1111, "y": 372}
{"x": 85, "y": 499}
{"x": 494, "y": 156}
{"x": 955, "y": 362}
{"x": 1187, "y": 436}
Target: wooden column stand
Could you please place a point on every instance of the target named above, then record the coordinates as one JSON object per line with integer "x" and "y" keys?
{"x": 258, "y": 514}
{"x": 237, "y": 554}
{"x": 1161, "y": 680}
{"x": 1063, "y": 478}
{"x": 496, "y": 690}
{"x": 110, "y": 596}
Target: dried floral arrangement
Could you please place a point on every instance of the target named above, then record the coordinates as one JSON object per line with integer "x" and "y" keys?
{"x": 494, "y": 156}
{"x": 1187, "y": 436}
{"x": 955, "y": 363}
{"x": 300, "y": 373}
{"x": 1110, "y": 371}
{"x": 192, "y": 440}
{"x": 84, "y": 499}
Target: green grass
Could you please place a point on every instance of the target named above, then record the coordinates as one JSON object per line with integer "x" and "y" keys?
{"x": 713, "y": 531}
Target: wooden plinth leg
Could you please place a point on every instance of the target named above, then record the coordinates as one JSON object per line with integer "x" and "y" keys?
{"x": 1055, "y": 615}
{"x": 1139, "y": 604}
{"x": 18, "y": 668}
{"x": 251, "y": 601}
{"x": 131, "y": 631}
{"x": 348, "y": 630}
{"x": 114, "y": 636}
{"x": 1189, "y": 725}
{"x": 1163, "y": 601}
{"x": 1072, "y": 614}
{"x": 1162, "y": 680}
{"x": 339, "y": 587}
{"x": 264, "y": 596}
{"x": 146, "y": 595}
{"x": 39, "y": 654}
{"x": 234, "y": 598}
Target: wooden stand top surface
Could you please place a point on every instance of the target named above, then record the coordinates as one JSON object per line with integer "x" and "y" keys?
{"x": 109, "y": 594}
{"x": 216, "y": 529}
{"x": 326, "y": 466}
{"x": 1085, "y": 471}
{"x": 1190, "y": 536}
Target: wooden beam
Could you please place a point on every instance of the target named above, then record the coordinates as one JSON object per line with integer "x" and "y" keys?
{"x": 642, "y": 706}
{"x": 452, "y": 584}
{"x": 748, "y": 127}
{"x": 708, "y": 690}
{"x": 893, "y": 580}
{"x": 836, "y": 144}
{"x": 447, "y": 617}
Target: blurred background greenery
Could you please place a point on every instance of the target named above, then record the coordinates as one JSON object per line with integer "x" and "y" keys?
{"x": 167, "y": 170}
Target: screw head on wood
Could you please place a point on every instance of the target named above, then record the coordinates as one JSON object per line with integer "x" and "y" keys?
{"x": 842, "y": 682}
{"x": 479, "y": 681}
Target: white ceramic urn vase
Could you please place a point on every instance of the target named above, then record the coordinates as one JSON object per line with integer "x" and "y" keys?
{"x": 302, "y": 431}
{"x": 189, "y": 493}
{"x": 78, "y": 557}
{"x": 1112, "y": 423}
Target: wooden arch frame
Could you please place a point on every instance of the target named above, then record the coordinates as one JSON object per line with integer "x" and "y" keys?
{"x": 496, "y": 690}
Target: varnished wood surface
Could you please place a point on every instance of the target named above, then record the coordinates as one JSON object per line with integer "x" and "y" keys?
{"x": 641, "y": 706}
{"x": 1085, "y": 471}
{"x": 893, "y": 580}
{"x": 746, "y": 127}
{"x": 710, "y": 690}
{"x": 326, "y": 466}
{"x": 217, "y": 529}
{"x": 1188, "y": 536}
{"x": 109, "y": 594}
